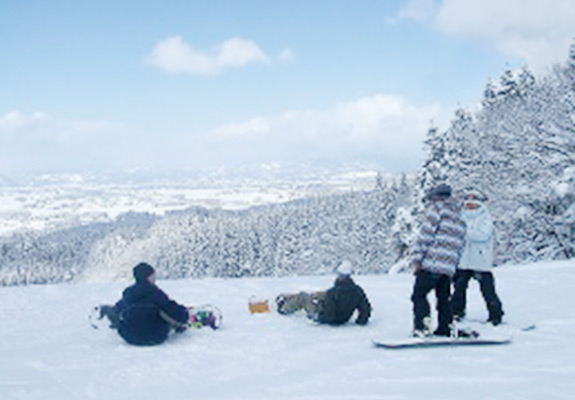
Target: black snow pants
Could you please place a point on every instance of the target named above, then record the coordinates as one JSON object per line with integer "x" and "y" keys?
{"x": 487, "y": 287}
{"x": 425, "y": 282}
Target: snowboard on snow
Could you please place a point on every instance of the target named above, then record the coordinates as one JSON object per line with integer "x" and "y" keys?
{"x": 207, "y": 315}
{"x": 473, "y": 322}
{"x": 440, "y": 341}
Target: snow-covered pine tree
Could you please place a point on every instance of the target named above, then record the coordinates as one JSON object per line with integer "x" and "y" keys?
{"x": 489, "y": 95}
{"x": 464, "y": 160}
{"x": 434, "y": 168}
{"x": 508, "y": 87}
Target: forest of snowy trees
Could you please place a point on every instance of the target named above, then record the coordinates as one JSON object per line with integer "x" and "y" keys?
{"x": 309, "y": 236}
{"x": 519, "y": 148}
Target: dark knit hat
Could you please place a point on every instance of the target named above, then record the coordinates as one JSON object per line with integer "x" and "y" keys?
{"x": 441, "y": 191}
{"x": 142, "y": 271}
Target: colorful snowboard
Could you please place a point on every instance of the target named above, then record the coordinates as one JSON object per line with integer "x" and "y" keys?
{"x": 206, "y": 315}
{"x": 103, "y": 317}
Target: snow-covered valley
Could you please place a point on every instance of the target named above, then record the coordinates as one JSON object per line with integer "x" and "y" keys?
{"x": 50, "y": 202}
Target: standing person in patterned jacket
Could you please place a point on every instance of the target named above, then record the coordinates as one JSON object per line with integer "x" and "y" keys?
{"x": 434, "y": 260}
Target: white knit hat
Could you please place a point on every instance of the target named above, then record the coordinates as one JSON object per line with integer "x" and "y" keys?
{"x": 472, "y": 193}
{"x": 345, "y": 268}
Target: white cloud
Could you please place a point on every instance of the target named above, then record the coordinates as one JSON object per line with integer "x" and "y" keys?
{"x": 418, "y": 10}
{"x": 176, "y": 56}
{"x": 384, "y": 127}
{"x": 381, "y": 128}
{"x": 18, "y": 126}
{"x": 253, "y": 127}
{"x": 14, "y": 121}
{"x": 40, "y": 142}
{"x": 538, "y": 31}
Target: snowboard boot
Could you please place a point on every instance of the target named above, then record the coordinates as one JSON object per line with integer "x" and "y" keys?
{"x": 495, "y": 318}
{"x": 425, "y": 331}
{"x": 464, "y": 333}
{"x": 110, "y": 313}
{"x": 458, "y": 317}
{"x": 420, "y": 333}
{"x": 442, "y": 332}
{"x": 290, "y": 303}
{"x": 280, "y": 302}
{"x": 104, "y": 316}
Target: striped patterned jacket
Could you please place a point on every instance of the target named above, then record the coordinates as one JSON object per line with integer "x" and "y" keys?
{"x": 440, "y": 241}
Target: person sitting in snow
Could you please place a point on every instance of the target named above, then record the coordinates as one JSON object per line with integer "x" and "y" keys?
{"x": 434, "y": 259}
{"x": 334, "y": 306}
{"x": 477, "y": 257}
{"x": 145, "y": 315}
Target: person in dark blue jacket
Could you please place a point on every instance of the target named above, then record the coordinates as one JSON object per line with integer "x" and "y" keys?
{"x": 145, "y": 315}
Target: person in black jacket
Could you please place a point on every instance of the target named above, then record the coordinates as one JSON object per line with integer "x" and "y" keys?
{"x": 343, "y": 299}
{"x": 145, "y": 315}
{"x": 334, "y": 306}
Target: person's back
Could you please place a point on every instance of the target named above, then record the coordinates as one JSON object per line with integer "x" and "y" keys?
{"x": 342, "y": 300}
{"x": 434, "y": 260}
{"x": 140, "y": 320}
{"x": 438, "y": 247}
{"x": 145, "y": 313}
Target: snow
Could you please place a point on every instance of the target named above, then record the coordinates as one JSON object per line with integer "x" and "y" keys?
{"x": 49, "y": 351}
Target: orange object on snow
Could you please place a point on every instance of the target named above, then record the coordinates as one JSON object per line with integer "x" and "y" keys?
{"x": 259, "y": 306}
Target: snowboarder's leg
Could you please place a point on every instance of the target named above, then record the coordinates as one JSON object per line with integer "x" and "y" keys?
{"x": 444, "y": 313}
{"x": 422, "y": 286}
{"x": 313, "y": 303}
{"x": 459, "y": 299}
{"x": 487, "y": 286}
{"x": 110, "y": 313}
{"x": 290, "y": 303}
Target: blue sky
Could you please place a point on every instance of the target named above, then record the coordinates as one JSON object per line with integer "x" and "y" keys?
{"x": 102, "y": 86}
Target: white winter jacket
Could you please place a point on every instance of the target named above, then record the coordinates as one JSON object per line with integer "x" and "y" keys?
{"x": 478, "y": 249}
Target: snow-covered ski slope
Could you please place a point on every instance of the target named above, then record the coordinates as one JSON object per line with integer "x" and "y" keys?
{"x": 49, "y": 351}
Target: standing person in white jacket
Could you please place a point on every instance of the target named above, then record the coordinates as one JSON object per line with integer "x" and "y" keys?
{"x": 477, "y": 258}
